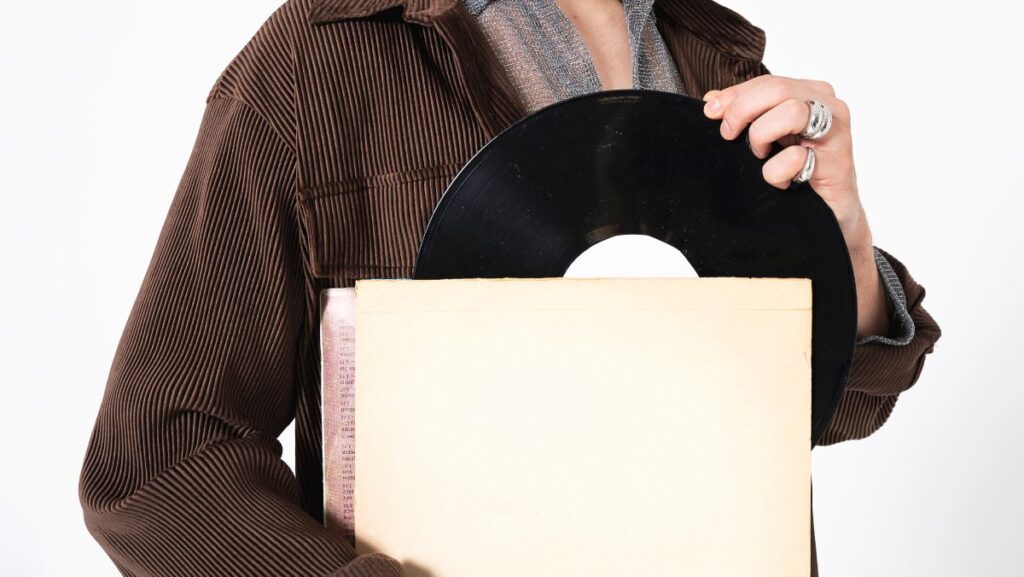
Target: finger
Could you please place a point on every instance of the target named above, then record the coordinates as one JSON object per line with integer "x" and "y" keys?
{"x": 780, "y": 170}
{"x": 724, "y": 97}
{"x": 786, "y": 119}
{"x": 727, "y": 95}
{"x": 752, "y": 103}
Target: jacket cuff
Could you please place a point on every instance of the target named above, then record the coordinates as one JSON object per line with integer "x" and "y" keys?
{"x": 902, "y": 325}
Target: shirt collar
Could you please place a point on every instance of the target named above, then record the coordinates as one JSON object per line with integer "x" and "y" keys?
{"x": 475, "y": 7}
{"x": 722, "y": 28}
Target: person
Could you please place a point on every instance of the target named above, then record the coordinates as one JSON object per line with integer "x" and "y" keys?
{"x": 324, "y": 145}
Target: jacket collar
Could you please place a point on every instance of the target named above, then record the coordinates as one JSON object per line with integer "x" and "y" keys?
{"x": 722, "y": 28}
{"x": 418, "y": 11}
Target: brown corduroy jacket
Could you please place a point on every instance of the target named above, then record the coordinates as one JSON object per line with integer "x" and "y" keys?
{"x": 325, "y": 144}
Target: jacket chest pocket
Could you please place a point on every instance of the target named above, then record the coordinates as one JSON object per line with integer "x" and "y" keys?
{"x": 371, "y": 227}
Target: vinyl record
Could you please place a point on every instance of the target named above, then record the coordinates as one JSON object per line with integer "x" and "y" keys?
{"x": 644, "y": 162}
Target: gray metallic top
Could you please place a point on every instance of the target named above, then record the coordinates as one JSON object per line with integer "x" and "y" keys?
{"x": 548, "y": 61}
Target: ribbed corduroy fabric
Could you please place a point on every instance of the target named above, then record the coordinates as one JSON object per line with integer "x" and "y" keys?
{"x": 325, "y": 144}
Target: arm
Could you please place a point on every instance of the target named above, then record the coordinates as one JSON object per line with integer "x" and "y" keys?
{"x": 883, "y": 367}
{"x": 182, "y": 474}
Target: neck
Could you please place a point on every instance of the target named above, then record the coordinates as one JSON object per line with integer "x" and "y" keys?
{"x": 576, "y": 9}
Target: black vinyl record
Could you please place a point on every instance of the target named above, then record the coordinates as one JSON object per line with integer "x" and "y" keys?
{"x": 644, "y": 162}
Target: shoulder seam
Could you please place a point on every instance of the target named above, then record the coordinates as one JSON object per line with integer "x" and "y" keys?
{"x": 270, "y": 126}
{"x": 235, "y": 80}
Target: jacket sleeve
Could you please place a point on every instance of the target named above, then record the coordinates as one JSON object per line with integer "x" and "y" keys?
{"x": 182, "y": 475}
{"x": 881, "y": 370}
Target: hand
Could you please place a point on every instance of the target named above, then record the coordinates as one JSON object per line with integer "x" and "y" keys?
{"x": 776, "y": 110}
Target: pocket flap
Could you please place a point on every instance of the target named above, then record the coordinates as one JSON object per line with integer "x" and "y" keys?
{"x": 371, "y": 227}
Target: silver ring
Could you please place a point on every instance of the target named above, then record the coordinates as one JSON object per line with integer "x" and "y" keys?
{"x": 808, "y": 169}
{"x": 819, "y": 121}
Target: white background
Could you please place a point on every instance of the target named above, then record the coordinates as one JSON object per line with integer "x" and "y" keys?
{"x": 101, "y": 102}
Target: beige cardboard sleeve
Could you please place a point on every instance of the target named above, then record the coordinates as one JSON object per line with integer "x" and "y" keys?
{"x": 565, "y": 427}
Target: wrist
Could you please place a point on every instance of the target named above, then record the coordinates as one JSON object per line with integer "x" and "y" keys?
{"x": 858, "y": 237}
{"x": 872, "y": 316}
{"x": 872, "y": 303}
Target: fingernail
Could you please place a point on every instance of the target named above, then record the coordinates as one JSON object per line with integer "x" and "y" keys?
{"x": 726, "y": 130}
{"x": 714, "y": 106}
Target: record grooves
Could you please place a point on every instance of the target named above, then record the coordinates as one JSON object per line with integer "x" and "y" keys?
{"x": 644, "y": 162}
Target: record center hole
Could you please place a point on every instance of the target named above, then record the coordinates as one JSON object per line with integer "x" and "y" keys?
{"x": 631, "y": 255}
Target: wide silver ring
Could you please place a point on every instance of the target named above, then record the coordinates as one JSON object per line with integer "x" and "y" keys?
{"x": 808, "y": 169}
{"x": 819, "y": 121}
